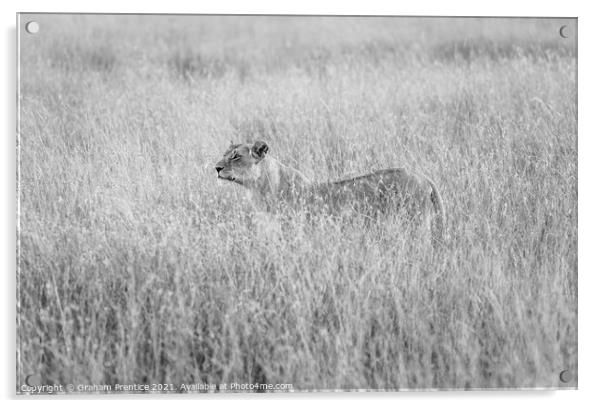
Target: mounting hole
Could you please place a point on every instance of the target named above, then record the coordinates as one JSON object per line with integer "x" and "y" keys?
{"x": 33, "y": 380}
{"x": 32, "y": 27}
{"x": 565, "y": 376}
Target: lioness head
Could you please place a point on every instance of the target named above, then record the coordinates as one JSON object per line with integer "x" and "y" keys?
{"x": 240, "y": 160}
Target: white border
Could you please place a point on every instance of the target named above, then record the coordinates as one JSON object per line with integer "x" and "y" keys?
{"x": 590, "y": 137}
{"x": 373, "y": 7}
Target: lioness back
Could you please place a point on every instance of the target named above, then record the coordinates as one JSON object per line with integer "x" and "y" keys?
{"x": 378, "y": 192}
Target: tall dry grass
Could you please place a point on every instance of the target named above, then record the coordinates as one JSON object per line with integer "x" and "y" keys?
{"x": 137, "y": 265}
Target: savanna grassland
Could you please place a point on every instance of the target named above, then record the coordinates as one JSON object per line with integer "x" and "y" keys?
{"x": 137, "y": 265}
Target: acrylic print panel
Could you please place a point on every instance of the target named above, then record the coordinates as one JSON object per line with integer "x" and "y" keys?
{"x": 296, "y": 203}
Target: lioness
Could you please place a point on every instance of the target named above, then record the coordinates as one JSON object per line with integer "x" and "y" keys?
{"x": 275, "y": 185}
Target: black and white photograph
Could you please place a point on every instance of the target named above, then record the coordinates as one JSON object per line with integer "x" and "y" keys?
{"x": 295, "y": 203}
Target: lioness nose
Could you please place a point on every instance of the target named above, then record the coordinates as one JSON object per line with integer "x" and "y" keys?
{"x": 219, "y": 168}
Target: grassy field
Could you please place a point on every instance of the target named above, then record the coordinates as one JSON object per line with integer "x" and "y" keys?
{"x": 136, "y": 265}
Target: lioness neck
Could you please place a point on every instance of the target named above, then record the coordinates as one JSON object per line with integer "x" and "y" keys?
{"x": 279, "y": 180}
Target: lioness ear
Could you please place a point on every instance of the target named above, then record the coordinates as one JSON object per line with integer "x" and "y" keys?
{"x": 259, "y": 149}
